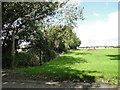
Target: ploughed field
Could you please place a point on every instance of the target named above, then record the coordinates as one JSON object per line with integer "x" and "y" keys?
{"x": 89, "y": 66}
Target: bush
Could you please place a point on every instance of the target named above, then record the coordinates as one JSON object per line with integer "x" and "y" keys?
{"x": 27, "y": 59}
{"x": 49, "y": 55}
{"x": 116, "y": 46}
{"x": 6, "y": 60}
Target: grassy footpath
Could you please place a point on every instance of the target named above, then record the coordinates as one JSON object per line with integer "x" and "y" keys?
{"x": 100, "y": 65}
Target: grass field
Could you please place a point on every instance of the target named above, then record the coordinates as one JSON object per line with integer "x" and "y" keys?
{"x": 100, "y": 65}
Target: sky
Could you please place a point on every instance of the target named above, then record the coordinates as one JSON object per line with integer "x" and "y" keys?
{"x": 100, "y": 27}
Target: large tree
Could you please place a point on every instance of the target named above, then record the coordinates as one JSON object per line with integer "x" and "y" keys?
{"x": 62, "y": 38}
{"x": 47, "y": 28}
{"x": 19, "y": 18}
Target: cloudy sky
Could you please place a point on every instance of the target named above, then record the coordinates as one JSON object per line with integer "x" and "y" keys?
{"x": 100, "y": 27}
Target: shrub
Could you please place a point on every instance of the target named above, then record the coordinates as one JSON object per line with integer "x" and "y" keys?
{"x": 27, "y": 59}
{"x": 6, "y": 60}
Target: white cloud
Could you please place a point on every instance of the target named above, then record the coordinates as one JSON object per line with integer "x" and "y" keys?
{"x": 100, "y": 32}
{"x": 96, "y": 14}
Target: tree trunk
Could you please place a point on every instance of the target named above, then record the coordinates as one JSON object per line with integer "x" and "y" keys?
{"x": 41, "y": 57}
{"x": 13, "y": 50}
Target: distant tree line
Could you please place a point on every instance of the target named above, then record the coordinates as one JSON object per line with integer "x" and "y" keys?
{"x": 30, "y": 22}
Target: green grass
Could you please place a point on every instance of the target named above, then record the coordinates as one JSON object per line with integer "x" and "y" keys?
{"x": 100, "y": 65}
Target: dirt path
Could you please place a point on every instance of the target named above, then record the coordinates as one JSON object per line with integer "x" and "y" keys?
{"x": 50, "y": 84}
{"x": 11, "y": 79}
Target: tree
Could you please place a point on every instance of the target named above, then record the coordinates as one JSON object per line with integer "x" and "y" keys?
{"x": 62, "y": 38}
{"x": 19, "y": 20}
{"x": 35, "y": 23}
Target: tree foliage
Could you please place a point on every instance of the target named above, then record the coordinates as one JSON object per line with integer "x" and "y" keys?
{"x": 62, "y": 38}
{"x": 34, "y": 22}
{"x": 20, "y": 18}
{"x": 23, "y": 17}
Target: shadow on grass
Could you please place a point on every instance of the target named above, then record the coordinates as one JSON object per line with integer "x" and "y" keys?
{"x": 67, "y": 73}
{"x": 60, "y": 69}
{"x": 69, "y": 60}
{"x": 77, "y": 53}
{"x": 83, "y": 53}
{"x": 114, "y": 57}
